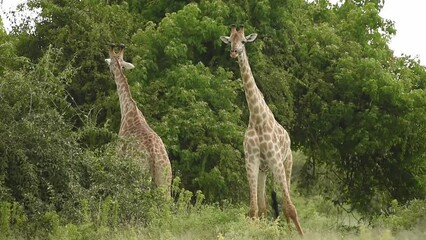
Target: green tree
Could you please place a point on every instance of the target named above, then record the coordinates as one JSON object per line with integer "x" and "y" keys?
{"x": 155, "y": 10}
{"x": 82, "y": 30}
{"x": 192, "y": 106}
{"x": 325, "y": 70}
{"x": 356, "y": 104}
{"x": 37, "y": 143}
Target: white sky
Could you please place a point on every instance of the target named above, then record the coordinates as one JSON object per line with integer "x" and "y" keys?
{"x": 409, "y": 17}
{"x": 6, "y": 6}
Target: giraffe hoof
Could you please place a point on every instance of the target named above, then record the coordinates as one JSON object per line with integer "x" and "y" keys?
{"x": 253, "y": 214}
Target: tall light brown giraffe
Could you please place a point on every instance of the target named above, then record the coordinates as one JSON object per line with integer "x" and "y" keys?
{"x": 134, "y": 124}
{"x": 266, "y": 142}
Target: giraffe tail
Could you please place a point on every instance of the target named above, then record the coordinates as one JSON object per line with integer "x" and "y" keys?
{"x": 275, "y": 204}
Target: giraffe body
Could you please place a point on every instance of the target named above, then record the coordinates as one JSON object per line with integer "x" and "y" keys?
{"x": 266, "y": 142}
{"x": 134, "y": 124}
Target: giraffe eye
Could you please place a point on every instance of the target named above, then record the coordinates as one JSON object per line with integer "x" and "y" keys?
{"x": 244, "y": 41}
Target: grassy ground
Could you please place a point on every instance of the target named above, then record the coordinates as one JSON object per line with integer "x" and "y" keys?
{"x": 319, "y": 219}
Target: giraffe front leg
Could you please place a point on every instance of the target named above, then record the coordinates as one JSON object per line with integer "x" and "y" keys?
{"x": 261, "y": 195}
{"x": 252, "y": 161}
{"x": 252, "y": 175}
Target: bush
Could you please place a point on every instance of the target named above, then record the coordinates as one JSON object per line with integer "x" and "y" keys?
{"x": 115, "y": 187}
{"x": 37, "y": 147}
{"x": 403, "y": 217}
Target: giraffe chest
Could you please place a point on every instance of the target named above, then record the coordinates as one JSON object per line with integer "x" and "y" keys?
{"x": 267, "y": 144}
{"x": 267, "y": 136}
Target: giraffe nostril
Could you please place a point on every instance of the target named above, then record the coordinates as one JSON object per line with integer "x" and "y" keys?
{"x": 234, "y": 53}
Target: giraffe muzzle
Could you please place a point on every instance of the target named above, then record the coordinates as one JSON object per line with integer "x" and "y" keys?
{"x": 234, "y": 53}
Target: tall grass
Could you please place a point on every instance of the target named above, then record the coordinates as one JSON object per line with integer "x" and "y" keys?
{"x": 120, "y": 203}
{"x": 182, "y": 219}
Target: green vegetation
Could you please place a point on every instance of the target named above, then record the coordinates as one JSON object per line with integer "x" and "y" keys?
{"x": 355, "y": 112}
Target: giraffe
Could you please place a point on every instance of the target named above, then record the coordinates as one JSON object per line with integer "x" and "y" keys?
{"x": 134, "y": 124}
{"x": 266, "y": 142}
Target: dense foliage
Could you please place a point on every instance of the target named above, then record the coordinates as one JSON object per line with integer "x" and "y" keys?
{"x": 357, "y": 112}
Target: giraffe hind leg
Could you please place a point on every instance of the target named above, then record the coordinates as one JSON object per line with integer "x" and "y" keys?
{"x": 288, "y": 165}
{"x": 290, "y": 211}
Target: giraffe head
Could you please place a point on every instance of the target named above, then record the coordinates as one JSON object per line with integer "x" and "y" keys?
{"x": 115, "y": 60}
{"x": 237, "y": 39}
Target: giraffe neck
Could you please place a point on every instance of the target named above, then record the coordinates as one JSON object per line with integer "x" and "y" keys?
{"x": 259, "y": 111}
{"x": 127, "y": 104}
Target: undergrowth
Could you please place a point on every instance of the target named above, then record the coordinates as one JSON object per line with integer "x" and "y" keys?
{"x": 118, "y": 201}
{"x": 186, "y": 217}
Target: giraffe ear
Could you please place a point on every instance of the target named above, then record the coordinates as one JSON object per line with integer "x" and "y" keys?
{"x": 108, "y": 61}
{"x": 251, "y": 37}
{"x": 225, "y": 39}
{"x": 127, "y": 65}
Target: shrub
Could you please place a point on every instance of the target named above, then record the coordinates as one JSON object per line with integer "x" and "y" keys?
{"x": 37, "y": 147}
{"x": 403, "y": 217}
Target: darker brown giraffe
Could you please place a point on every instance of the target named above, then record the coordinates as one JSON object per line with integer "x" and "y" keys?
{"x": 134, "y": 124}
{"x": 266, "y": 142}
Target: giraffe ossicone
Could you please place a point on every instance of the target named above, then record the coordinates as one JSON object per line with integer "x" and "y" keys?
{"x": 266, "y": 142}
{"x": 134, "y": 125}
{"x": 125, "y": 64}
